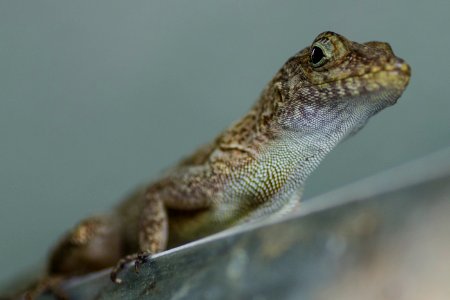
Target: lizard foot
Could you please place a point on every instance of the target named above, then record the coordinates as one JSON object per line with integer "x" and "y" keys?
{"x": 138, "y": 259}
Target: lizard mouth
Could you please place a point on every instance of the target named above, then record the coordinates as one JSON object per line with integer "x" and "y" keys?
{"x": 384, "y": 85}
{"x": 394, "y": 75}
{"x": 380, "y": 83}
{"x": 391, "y": 78}
{"x": 398, "y": 71}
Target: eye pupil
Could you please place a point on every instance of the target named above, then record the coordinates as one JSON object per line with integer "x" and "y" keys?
{"x": 316, "y": 55}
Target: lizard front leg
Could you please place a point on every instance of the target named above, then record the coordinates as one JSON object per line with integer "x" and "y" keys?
{"x": 152, "y": 234}
{"x": 174, "y": 192}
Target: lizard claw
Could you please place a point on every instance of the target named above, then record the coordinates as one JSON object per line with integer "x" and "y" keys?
{"x": 138, "y": 259}
{"x": 141, "y": 258}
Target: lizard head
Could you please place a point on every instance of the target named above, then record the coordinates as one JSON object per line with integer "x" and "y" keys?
{"x": 335, "y": 85}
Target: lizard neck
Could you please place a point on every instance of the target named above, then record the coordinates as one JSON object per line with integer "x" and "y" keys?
{"x": 286, "y": 145}
{"x": 288, "y": 156}
{"x": 274, "y": 179}
{"x": 291, "y": 158}
{"x": 280, "y": 168}
{"x": 295, "y": 153}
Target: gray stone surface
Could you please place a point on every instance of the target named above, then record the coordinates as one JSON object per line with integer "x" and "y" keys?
{"x": 386, "y": 237}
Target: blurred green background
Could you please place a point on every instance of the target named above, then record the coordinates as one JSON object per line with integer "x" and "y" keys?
{"x": 97, "y": 97}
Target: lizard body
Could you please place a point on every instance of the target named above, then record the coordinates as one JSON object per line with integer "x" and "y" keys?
{"x": 254, "y": 169}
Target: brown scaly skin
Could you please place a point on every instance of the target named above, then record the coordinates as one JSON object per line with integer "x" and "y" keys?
{"x": 254, "y": 169}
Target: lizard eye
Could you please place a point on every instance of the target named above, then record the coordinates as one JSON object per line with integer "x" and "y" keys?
{"x": 318, "y": 58}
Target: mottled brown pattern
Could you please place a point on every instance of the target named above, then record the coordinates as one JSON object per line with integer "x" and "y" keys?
{"x": 93, "y": 244}
{"x": 256, "y": 168}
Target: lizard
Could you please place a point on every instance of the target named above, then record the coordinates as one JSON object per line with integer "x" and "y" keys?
{"x": 254, "y": 169}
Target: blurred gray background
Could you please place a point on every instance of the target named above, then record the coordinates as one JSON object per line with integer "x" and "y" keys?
{"x": 97, "y": 97}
